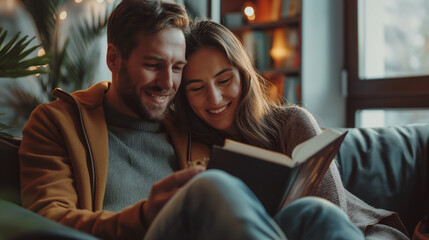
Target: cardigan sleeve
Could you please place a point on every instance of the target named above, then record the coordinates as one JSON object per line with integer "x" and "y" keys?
{"x": 55, "y": 180}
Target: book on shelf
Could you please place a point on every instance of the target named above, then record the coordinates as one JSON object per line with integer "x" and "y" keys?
{"x": 276, "y": 10}
{"x": 291, "y": 89}
{"x": 275, "y": 178}
{"x": 292, "y": 42}
{"x": 285, "y": 8}
{"x": 258, "y": 45}
{"x": 290, "y": 8}
{"x": 294, "y": 8}
{"x": 263, "y": 11}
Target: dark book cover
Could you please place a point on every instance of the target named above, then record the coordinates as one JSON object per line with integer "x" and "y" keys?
{"x": 274, "y": 184}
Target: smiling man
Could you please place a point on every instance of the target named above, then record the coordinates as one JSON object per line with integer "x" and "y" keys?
{"x": 145, "y": 82}
{"x": 89, "y": 159}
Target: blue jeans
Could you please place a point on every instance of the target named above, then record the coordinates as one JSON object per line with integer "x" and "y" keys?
{"x": 216, "y": 205}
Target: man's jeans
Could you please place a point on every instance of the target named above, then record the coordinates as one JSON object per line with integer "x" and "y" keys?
{"x": 216, "y": 205}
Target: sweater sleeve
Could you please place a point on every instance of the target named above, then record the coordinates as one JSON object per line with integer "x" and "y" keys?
{"x": 375, "y": 223}
{"x": 300, "y": 126}
{"x": 57, "y": 187}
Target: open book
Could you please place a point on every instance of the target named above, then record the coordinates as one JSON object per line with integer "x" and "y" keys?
{"x": 275, "y": 178}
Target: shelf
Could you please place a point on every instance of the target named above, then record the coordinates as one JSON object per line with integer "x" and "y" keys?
{"x": 280, "y": 37}
{"x": 285, "y": 71}
{"x": 288, "y": 22}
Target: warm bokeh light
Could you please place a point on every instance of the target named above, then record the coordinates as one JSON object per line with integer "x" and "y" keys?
{"x": 78, "y": 1}
{"x": 280, "y": 51}
{"x": 63, "y": 15}
{"x": 41, "y": 52}
{"x": 249, "y": 11}
{"x": 32, "y": 68}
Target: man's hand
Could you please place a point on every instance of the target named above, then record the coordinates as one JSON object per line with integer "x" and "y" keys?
{"x": 163, "y": 190}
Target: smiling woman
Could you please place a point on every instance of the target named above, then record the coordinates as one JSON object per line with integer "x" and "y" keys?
{"x": 213, "y": 88}
{"x": 222, "y": 83}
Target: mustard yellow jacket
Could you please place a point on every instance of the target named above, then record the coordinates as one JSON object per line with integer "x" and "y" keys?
{"x": 63, "y": 161}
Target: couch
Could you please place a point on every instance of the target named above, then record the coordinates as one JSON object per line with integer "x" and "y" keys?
{"x": 386, "y": 167}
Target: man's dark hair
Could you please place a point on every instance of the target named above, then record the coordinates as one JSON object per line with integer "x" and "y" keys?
{"x": 132, "y": 17}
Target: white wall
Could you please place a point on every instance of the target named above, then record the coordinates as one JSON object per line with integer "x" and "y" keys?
{"x": 322, "y": 61}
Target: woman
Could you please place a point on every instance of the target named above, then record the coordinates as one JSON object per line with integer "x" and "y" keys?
{"x": 222, "y": 95}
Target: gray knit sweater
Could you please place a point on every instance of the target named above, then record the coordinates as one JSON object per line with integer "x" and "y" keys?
{"x": 139, "y": 156}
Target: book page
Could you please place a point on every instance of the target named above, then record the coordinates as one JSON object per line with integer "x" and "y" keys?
{"x": 307, "y": 148}
{"x": 258, "y": 152}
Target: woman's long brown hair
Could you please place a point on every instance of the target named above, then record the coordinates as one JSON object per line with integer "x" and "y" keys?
{"x": 256, "y": 120}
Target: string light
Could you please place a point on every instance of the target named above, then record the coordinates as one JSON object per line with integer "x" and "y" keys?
{"x": 63, "y": 15}
{"x": 41, "y": 52}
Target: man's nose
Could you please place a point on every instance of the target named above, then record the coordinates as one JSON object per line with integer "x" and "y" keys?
{"x": 165, "y": 79}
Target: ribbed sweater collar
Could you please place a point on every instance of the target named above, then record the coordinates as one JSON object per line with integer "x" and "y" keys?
{"x": 119, "y": 119}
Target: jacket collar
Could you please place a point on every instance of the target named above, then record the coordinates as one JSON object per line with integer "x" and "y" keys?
{"x": 89, "y": 98}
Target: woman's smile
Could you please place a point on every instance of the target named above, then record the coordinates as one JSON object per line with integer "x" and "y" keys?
{"x": 220, "y": 111}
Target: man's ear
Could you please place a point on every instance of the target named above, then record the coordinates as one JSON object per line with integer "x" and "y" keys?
{"x": 113, "y": 58}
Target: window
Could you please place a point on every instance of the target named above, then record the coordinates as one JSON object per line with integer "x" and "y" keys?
{"x": 387, "y": 58}
{"x": 390, "y": 117}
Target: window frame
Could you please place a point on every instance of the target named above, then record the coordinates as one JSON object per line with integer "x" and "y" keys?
{"x": 381, "y": 93}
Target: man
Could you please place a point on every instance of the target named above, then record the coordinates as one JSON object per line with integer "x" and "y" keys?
{"x": 74, "y": 168}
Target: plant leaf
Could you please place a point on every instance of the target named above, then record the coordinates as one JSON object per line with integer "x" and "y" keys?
{"x": 2, "y": 36}
{"x": 12, "y": 63}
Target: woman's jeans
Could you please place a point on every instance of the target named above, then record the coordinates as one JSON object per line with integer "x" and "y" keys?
{"x": 216, "y": 205}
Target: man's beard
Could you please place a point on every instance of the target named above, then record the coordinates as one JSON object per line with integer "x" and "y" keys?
{"x": 131, "y": 96}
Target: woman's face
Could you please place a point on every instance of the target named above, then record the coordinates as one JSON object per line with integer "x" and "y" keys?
{"x": 212, "y": 87}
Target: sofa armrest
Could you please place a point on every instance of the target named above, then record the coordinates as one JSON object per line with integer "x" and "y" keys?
{"x": 19, "y": 224}
{"x": 388, "y": 168}
{"x": 9, "y": 170}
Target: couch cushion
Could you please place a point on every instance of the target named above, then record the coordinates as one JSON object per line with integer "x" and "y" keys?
{"x": 388, "y": 168}
{"x": 9, "y": 170}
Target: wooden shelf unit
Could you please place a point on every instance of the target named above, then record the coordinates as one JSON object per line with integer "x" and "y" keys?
{"x": 283, "y": 77}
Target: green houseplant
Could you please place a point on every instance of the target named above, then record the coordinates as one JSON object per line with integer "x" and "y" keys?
{"x": 72, "y": 60}
{"x": 14, "y": 62}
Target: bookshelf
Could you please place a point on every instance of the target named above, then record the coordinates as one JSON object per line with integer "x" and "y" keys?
{"x": 273, "y": 41}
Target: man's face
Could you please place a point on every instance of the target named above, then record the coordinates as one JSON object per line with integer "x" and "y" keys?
{"x": 149, "y": 78}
